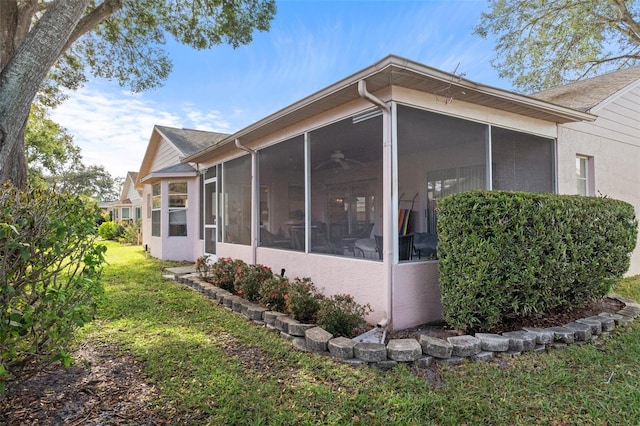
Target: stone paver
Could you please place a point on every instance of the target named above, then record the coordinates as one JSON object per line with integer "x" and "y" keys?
{"x": 543, "y": 336}
{"x": 297, "y": 329}
{"x": 282, "y": 323}
{"x": 256, "y": 312}
{"x": 435, "y": 347}
{"x": 404, "y": 350}
{"x": 582, "y": 332}
{"x": 341, "y": 347}
{"x": 521, "y": 340}
{"x": 465, "y": 346}
{"x": 596, "y": 326}
{"x": 370, "y": 352}
{"x": 562, "y": 335}
{"x": 317, "y": 339}
{"x": 269, "y": 317}
{"x": 483, "y": 356}
{"x": 493, "y": 342}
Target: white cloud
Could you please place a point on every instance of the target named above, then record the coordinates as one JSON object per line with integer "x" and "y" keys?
{"x": 113, "y": 128}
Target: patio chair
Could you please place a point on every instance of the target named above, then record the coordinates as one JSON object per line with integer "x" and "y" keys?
{"x": 405, "y": 246}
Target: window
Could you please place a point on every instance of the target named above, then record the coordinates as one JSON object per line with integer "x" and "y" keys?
{"x": 237, "y": 200}
{"x": 438, "y": 155}
{"x": 155, "y": 210}
{"x": 178, "y": 209}
{"x": 281, "y": 171}
{"x": 346, "y": 185}
{"x": 138, "y": 213}
{"x": 521, "y": 162}
{"x": 584, "y": 175}
{"x": 125, "y": 213}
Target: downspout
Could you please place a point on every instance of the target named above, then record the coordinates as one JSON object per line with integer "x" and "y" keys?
{"x": 254, "y": 200}
{"x": 387, "y": 215}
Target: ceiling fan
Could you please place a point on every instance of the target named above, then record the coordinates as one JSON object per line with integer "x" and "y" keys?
{"x": 338, "y": 159}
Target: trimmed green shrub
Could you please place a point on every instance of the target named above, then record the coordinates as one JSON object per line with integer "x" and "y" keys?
{"x": 109, "y": 230}
{"x": 505, "y": 255}
{"x": 273, "y": 293}
{"x": 249, "y": 279}
{"x": 50, "y": 273}
{"x": 340, "y": 315}
{"x": 303, "y": 300}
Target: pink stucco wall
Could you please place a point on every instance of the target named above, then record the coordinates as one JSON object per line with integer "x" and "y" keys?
{"x": 361, "y": 278}
{"x": 416, "y": 294}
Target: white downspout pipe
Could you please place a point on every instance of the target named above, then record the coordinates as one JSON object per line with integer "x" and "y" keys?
{"x": 254, "y": 200}
{"x": 387, "y": 214}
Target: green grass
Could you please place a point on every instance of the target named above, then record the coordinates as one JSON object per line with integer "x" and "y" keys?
{"x": 212, "y": 366}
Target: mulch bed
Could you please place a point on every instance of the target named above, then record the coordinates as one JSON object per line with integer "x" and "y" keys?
{"x": 103, "y": 387}
{"x": 107, "y": 387}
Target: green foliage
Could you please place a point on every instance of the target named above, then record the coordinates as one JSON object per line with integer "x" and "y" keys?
{"x": 128, "y": 46}
{"x": 303, "y": 300}
{"x": 222, "y": 273}
{"x": 50, "y": 266}
{"x": 340, "y": 315}
{"x": 249, "y": 279}
{"x": 273, "y": 293}
{"x": 49, "y": 149}
{"x": 131, "y": 232}
{"x": 507, "y": 255}
{"x": 545, "y": 43}
{"x": 109, "y": 230}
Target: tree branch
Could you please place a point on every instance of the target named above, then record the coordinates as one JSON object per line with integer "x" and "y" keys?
{"x": 93, "y": 19}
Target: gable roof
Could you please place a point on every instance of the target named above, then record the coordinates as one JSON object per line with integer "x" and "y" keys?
{"x": 185, "y": 142}
{"x": 189, "y": 141}
{"x": 396, "y": 71}
{"x": 585, "y": 95}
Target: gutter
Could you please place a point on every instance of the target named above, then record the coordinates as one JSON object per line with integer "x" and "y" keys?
{"x": 387, "y": 226}
{"x": 254, "y": 200}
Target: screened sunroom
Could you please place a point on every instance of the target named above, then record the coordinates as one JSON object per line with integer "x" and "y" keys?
{"x": 343, "y": 186}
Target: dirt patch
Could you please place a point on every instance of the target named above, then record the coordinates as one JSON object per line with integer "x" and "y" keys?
{"x": 103, "y": 387}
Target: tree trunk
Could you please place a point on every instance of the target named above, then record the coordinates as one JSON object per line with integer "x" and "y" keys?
{"x": 22, "y": 76}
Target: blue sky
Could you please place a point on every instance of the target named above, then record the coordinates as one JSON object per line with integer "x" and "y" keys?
{"x": 311, "y": 45}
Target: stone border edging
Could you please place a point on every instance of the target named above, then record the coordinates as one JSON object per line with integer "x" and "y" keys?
{"x": 426, "y": 350}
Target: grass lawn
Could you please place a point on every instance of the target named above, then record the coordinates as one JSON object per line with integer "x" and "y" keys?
{"x": 212, "y": 366}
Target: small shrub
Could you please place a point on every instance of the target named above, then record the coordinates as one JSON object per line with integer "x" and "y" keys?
{"x": 109, "y": 230}
{"x": 223, "y": 273}
{"x": 303, "y": 300}
{"x": 249, "y": 279}
{"x": 340, "y": 315}
{"x": 131, "y": 233}
{"x": 273, "y": 293}
{"x": 203, "y": 267}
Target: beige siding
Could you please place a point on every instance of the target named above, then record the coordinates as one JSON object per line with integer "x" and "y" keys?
{"x": 613, "y": 140}
{"x": 166, "y": 155}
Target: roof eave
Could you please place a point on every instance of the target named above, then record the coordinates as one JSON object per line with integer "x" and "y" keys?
{"x": 557, "y": 113}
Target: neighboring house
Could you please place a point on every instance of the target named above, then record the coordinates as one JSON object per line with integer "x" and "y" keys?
{"x": 129, "y": 206}
{"x": 603, "y": 155}
{"x": 343, "y": 186}
{"x": 171, "y": 192}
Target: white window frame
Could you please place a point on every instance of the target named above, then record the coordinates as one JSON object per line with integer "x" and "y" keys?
{"x": 177, "y": 207}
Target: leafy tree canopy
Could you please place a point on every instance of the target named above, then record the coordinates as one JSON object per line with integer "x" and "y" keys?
{"x": 546, "y": 43}
{"x": 46, "y": 46}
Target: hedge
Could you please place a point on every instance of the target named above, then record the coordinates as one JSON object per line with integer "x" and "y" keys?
{"x": 505, "y": 255}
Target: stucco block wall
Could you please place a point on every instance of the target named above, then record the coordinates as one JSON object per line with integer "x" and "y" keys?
{"x": 416, "y": 294}
{"x": 362, "y": 279}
